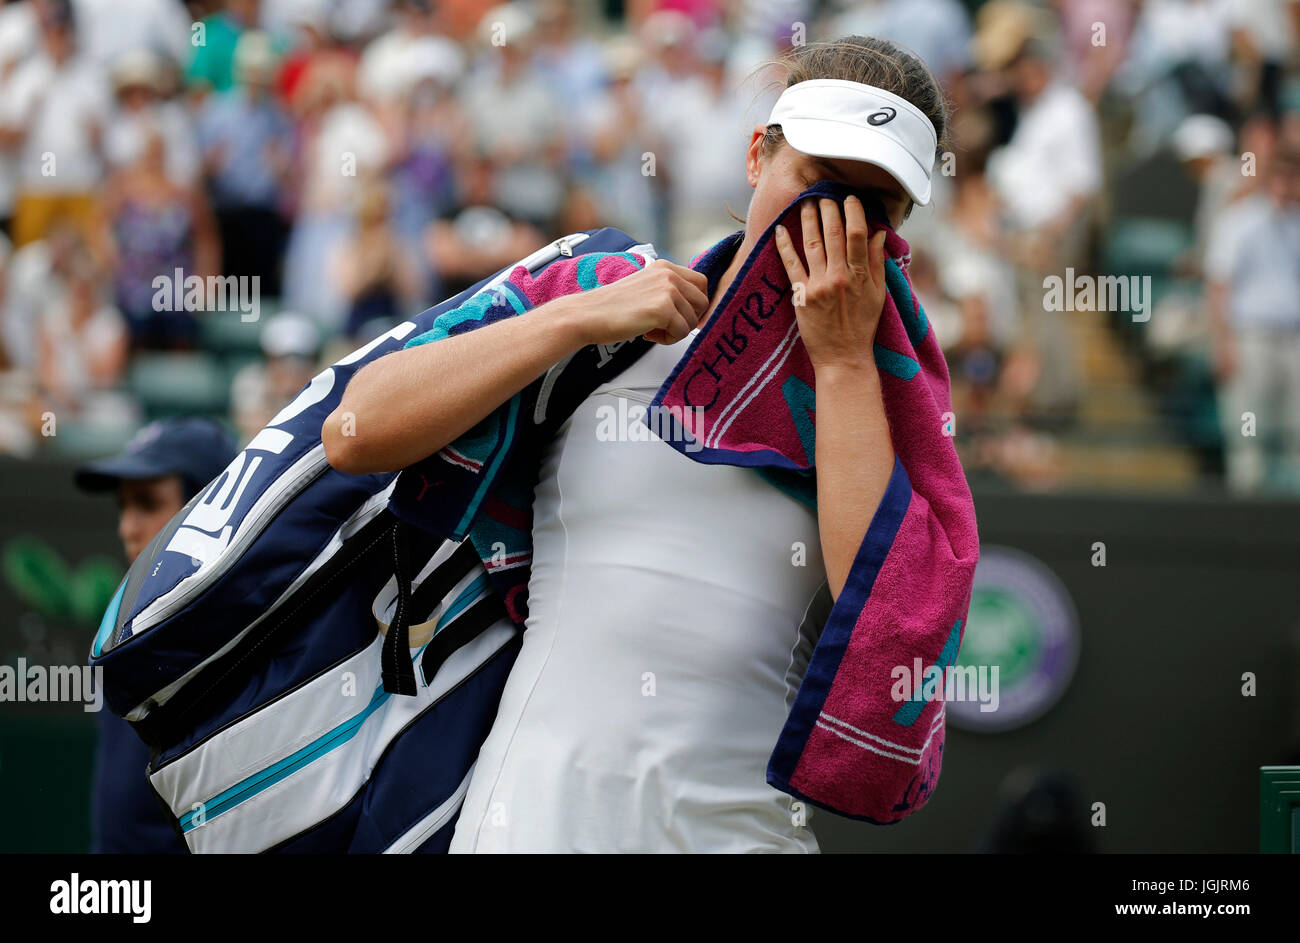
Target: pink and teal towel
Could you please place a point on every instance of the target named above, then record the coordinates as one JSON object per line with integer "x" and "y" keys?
{"x": 748, "y": 387}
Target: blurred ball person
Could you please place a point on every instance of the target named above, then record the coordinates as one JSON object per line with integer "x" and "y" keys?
{"x": 1252, "y": 268}
{"x": 161, "y": 468}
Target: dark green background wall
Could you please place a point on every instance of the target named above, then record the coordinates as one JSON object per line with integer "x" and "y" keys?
{"x": 1195, "y": 593}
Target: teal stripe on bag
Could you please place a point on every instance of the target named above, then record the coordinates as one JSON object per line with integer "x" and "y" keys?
{"x": 265, "y": 779}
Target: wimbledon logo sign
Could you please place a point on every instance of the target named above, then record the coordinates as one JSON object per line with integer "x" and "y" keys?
{"x": 1022, "y": 621}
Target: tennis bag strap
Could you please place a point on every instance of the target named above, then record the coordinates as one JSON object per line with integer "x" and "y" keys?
{"x": 398, "y": 670}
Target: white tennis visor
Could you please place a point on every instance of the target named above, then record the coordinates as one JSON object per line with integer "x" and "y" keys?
{"x": 850, "y": 120}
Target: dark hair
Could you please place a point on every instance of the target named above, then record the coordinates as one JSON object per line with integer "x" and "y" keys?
{"x": 870, "y": 61}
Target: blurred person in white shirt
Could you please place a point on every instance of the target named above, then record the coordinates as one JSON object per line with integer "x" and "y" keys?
{"x": 343, "y": 142}
{"x": 139, "y": 86}
{"x": 109, "y": 29}
{"x": 699, "y": 172}
{"x": 415, "y": 48}
{"x": 1050, "y": 170}
{"x": 611, "y": 138}
{"x": 1252, "y": 268}
{"x": 1179, "y": 64}
{"x": 1203, "y": 145}
{"x": 53, "y": 115}
{"x": 670, "y": 68}
{"x": 31, "y": 272}
{"x": 1264, "y": 36}
{"x": 19, "y": 36}
{"x": 568, "y": 61}
{"x": 937, "y": 31}
{"x": 1047, "y": 178}
{"x": 82, "y": 347}
{"x": 514, "y": 114}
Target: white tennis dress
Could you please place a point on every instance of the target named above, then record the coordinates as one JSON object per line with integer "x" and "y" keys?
{"x": 673, "y": 607}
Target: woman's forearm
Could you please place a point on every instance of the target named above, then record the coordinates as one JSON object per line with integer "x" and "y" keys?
{"x": 855, "y": 459}
{"x": 410, "y": 403}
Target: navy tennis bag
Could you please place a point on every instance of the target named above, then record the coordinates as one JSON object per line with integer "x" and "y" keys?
{"x": 310, "y": 674}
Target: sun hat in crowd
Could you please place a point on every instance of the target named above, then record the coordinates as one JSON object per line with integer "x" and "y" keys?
{"x": 138, "y": 68}
{"x": 1003, "y": 29}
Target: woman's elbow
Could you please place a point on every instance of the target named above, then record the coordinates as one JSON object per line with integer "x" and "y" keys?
{"x": 338, "y": 436}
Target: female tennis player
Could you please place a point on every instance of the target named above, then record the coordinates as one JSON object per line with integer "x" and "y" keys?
{"x": 670, "y": 618}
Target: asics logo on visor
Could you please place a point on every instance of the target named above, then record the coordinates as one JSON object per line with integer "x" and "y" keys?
{"x": 882, "y": 116}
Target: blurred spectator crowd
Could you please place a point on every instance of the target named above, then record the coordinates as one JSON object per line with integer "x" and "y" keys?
{"x": 336, "y": 165}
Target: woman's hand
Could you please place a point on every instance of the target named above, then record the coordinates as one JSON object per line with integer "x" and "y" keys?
{"x": 663, "y": 303}
{"x": 843, "y": 294}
